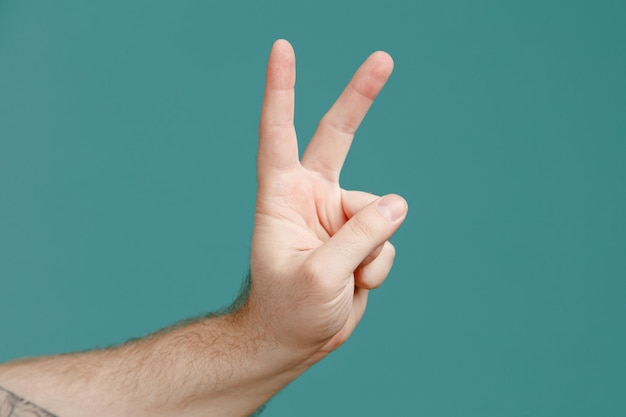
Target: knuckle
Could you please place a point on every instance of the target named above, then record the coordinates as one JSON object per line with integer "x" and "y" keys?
{"x": 311, "y": 270}
{"x": 344, "y": 127}
{"x": 360, "y": 227}
{"x": 318, "y": 278}
{"x": 316, "y": 273}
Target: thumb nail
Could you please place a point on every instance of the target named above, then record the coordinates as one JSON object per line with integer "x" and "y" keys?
{"x": 392, "y": 207}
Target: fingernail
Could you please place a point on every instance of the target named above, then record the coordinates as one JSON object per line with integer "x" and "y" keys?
{"x": 392, "y": 207}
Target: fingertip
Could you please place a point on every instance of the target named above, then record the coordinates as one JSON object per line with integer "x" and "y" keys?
{"x": 373, "y": 74}
{"x": 282, "y": 47}
{"x": 282, "y": 41}
{"x": 384, "y": 61}
{"x": 281, "y": 65}
{"x": 393, "y": 207}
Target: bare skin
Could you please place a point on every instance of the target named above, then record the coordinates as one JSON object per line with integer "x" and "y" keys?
{"x": 317, "y": 250}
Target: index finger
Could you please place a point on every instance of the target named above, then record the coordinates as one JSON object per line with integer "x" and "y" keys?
{"x": 278, "y": 147}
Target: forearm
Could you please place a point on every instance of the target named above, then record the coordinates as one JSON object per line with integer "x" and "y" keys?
{"x": 221, "y": 366}
{"x": 317, "y": 250}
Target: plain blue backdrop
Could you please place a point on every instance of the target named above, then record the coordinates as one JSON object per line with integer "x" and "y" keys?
{"x": 127, "y": 152}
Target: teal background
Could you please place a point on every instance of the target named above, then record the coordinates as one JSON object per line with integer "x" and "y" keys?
{"x": 127, "y": 152}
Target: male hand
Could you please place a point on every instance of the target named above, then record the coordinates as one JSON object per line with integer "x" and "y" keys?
{"x": 316, "y": 252}
{"x": 317, "y": 249}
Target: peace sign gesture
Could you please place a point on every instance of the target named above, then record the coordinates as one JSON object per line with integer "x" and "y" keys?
{"x": 316, "y": 249}
{"x": 316, "y": 252}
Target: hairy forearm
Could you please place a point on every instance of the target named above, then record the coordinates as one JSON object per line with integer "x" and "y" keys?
{"x": 219, "y": 366}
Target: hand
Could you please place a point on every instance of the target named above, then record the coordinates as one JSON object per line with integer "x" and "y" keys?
{"x": 316, "y": 249}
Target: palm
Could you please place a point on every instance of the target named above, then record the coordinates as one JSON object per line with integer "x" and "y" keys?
{"x": 307, "y": 205}
{"x": 300, "y": 204}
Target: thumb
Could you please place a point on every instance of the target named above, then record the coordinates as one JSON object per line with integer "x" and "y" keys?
{"x": 369, "y": 228}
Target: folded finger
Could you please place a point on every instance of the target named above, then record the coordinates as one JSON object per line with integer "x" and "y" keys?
{"x": 373, "y": 274}
{"x": 353, "y": 201}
